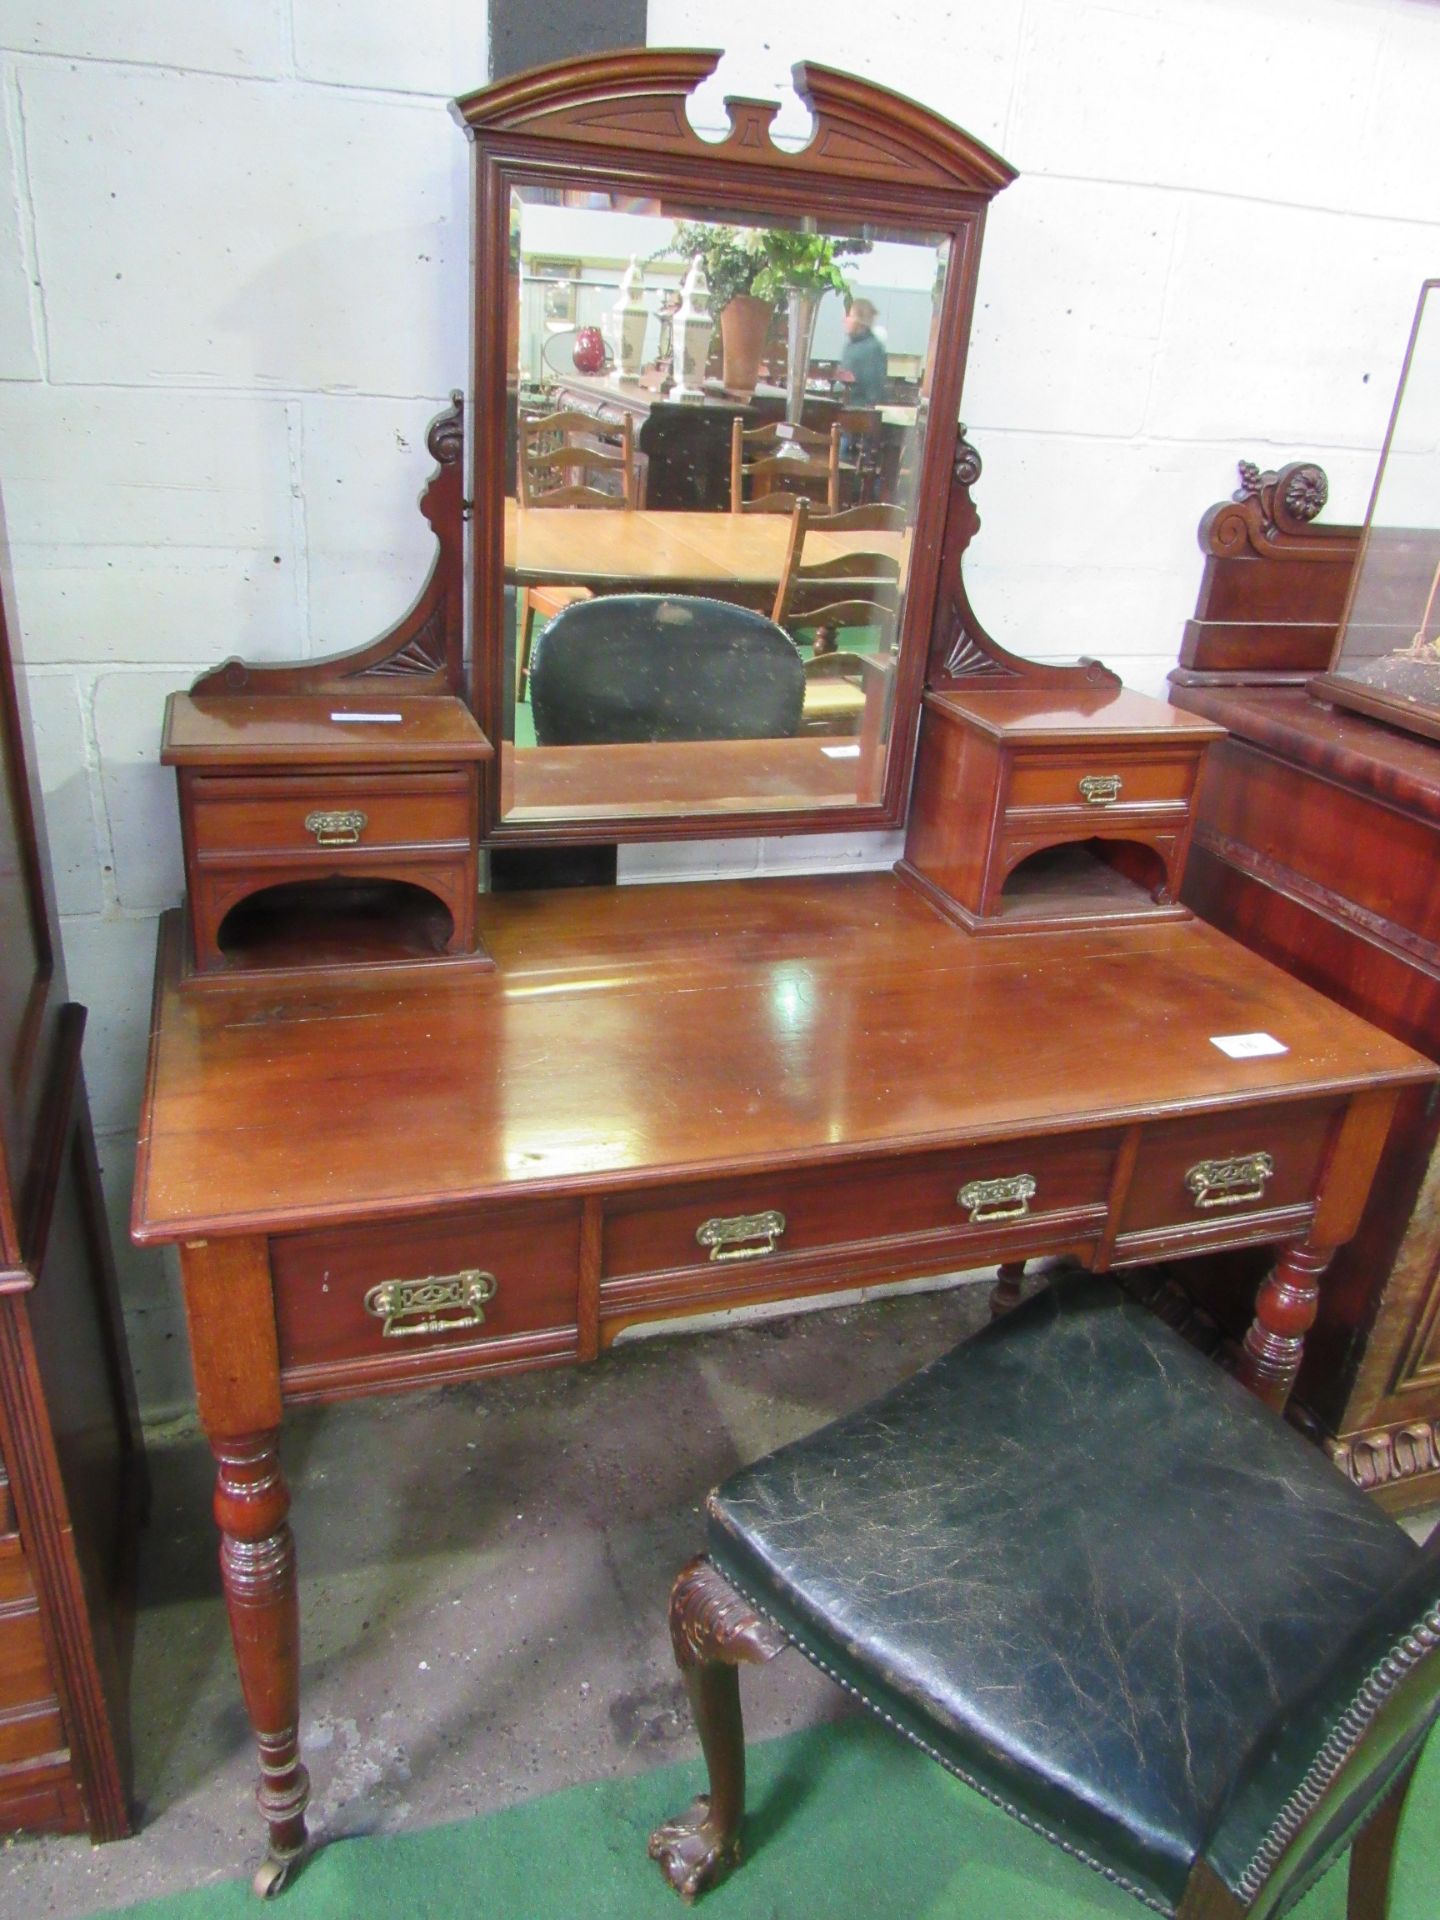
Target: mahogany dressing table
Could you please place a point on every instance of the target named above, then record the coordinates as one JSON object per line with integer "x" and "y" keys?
{"x": 665, "y": 1100}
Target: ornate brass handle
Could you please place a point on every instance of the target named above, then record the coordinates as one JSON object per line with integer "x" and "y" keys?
{"x": 1007, "y": 1199}
{"x": 744, "y": 1236}
{"x": 336, "y": 829}
{"x": 1100, "y": 789}
{"x": 1235, "y": 1182}
{"x": 410, "y": 1307}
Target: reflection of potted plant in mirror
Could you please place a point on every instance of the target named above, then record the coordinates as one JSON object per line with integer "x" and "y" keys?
{"x": 803, "y": 268}
{"x": 731, "y": 258}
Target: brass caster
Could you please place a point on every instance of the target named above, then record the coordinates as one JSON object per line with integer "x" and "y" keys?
{"x": 274, "y": 1875}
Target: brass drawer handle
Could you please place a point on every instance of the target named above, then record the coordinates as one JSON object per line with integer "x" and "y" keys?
{"x": 727, "y": 1239}
{"x": 448, "y": 1303}
{"x": 1235, "y": 1182}
{"x": 1007, "y": 1199}
{"x": 1100, "y": 789}
{"x": 336, "y": 829}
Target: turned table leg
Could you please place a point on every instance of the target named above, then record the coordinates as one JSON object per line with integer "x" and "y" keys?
{"x": 1005, "y": 1293}
{"x": 230, "y": 1313}
{"x": 1284, "y": 1312}
{"x": 257, "y": 1566}
{"x": 712, "y": 1628}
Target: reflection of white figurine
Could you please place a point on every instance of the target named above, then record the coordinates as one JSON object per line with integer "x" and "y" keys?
{"x": 693, "y": 328}
{"x": 629, "y": 318}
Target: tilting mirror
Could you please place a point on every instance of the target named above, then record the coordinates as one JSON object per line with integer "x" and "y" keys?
{"x": 715, "y": 499}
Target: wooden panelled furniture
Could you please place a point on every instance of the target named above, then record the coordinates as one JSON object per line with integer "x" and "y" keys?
{"x": 72, "y": 1479}
{"x": 1316, "y": 840}
{"x": 663, "y": 1100}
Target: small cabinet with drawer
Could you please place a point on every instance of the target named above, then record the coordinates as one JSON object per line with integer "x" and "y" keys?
{"x": 1036, "y": 810}
{"x": 324, "y": 830}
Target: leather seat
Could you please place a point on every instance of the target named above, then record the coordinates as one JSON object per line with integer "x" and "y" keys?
{"x": 1102, "y": 1584}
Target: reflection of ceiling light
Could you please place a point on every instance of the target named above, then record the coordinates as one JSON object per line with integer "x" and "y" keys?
{"x": 559, "y": 1159}
{"x": 792, "y": 996}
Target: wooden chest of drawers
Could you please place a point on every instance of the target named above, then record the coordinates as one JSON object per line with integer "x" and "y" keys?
{"x": 329, "y": 829}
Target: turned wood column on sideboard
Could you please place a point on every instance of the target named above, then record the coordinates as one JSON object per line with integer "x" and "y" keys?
{"x": 1316, "y": 844}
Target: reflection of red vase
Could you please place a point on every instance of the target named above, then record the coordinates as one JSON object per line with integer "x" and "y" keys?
{"x": 589, "y": 350}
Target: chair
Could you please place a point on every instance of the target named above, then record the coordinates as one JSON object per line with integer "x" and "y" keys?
{"x": 851, "y": 590}
{"x": 569, "y": 459}
{"x": 773, "y": 466}
{"x": 636, "y": 666}
{"x": 1085, "y": 1571}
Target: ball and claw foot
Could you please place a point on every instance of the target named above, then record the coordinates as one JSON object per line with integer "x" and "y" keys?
{"x": 276, "y": 1872}
{"x": 690, "y": 1853}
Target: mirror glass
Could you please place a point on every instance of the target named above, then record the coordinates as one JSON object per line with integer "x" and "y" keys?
{"x": 714, "y": 432}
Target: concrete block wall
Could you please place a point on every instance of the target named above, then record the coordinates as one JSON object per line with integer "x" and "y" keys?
{"x": 232, "y": 294}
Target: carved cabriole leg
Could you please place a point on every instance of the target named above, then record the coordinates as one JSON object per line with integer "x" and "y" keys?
{"x": 1372, "y": 1854}
{"x": 1005, "y": 1293}
{"x": 230, "y": 1313}
{"x": 712, "y": 1628}
{"x": 1284, "y": 1312}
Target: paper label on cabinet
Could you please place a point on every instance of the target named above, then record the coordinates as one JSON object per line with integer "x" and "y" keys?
{"x": 1247, "y": 1046}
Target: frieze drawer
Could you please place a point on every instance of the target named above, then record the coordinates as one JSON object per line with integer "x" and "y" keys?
{"x": 387, "y": 1305}
{"x": 280, "y": 814}
{"x": 1205, "y": 1173}
{"x": 743, "y": 1224}
{"x": 1101, "y": 780}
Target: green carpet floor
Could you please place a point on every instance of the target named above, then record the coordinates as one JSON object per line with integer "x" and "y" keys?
{"x": 846, "y": 1823}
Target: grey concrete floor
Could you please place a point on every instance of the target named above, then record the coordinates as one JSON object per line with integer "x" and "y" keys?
{"x": 483, "y": 1575}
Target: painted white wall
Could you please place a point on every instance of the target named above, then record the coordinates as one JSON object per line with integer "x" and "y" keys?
{"x": 232, "y": 294}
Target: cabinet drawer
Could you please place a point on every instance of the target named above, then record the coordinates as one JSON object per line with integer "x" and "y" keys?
{"x": 25, "y": 1679}
{"x": 1100, "y": 780}
{"x": 284, "y": 815}
{"x": 755, "y": 1219}
{"x": 1212, "y": 1171}
{"x": 403, "y": 1301}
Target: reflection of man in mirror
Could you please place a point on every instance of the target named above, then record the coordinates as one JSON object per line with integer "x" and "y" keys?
{"x": 862, "y": 364}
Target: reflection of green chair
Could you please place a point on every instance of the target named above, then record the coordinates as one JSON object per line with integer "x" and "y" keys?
{"x": 641, "y": 666}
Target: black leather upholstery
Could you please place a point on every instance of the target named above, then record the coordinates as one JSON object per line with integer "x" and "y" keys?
{"x": 1095, "y": 1578}
{"x": 633, "y": 666}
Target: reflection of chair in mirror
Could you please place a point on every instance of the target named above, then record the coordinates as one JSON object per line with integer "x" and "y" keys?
{"x": 569, "y": 459}
{"x": 773, "y": 466}
{"x": 633, "y": 667}
{"x": 1203, "y": 1663}
{"x": 861, "y": 455}
{"x": 856, "y": 590}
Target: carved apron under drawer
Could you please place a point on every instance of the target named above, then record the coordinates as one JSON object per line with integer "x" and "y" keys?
{"x": 389, "y": 1305}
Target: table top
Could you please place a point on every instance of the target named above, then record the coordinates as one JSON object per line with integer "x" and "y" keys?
{"x": 334, "y": 728}
{"x": 1046, "y": 715}
{"x": 696, "y": 551}
{"x": 632, "y": 1034}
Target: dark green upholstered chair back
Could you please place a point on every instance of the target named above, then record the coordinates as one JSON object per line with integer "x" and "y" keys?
{"x": 633, "y": 667}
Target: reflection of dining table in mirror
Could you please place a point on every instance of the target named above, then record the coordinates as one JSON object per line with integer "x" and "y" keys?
{"x": 731, "y": 556}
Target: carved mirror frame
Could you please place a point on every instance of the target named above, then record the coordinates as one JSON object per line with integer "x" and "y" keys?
{"x": 620, "y": 122}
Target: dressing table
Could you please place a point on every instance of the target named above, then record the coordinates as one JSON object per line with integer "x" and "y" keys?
{"x": 657, "y": 1101}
